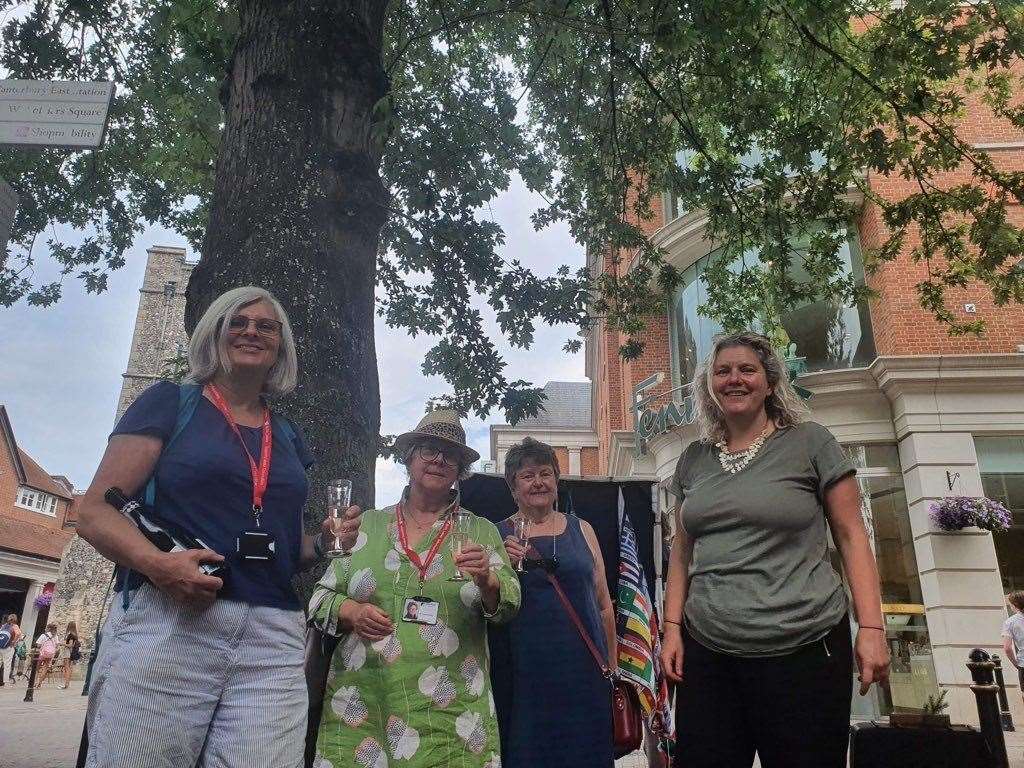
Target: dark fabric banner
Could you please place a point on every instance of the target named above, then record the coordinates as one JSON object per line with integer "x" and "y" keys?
{"x": 596, "y": 501}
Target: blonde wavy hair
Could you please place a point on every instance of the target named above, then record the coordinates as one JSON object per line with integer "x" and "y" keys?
{"x": 782, "y": 405}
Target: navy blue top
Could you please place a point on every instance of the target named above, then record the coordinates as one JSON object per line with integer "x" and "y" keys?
{"x": 204, "y": 485}
{"x": 551, "y": 699}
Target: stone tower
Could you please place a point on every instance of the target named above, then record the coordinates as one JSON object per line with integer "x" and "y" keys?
{"x": 158, "y": 343}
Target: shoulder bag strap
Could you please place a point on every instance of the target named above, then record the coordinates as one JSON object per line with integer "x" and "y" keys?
{"x": 579, "y": 624}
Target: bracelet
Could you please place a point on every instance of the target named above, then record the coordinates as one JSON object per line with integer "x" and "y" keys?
{"x": 669, "y": 621}
{"x": 865, "y": 626}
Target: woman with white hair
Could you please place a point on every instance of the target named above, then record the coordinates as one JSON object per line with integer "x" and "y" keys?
{"x": 756, "y": 626}
{"x": 194, "y": 669}
{"x": 410, "y": 680}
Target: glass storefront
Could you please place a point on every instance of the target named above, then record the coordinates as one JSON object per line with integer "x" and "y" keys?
{"x": 887, "y": 519}
{"x": 1001, "y": 463}
{"x": 827, "y": 334}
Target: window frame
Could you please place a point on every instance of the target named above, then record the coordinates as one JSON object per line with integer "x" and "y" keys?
{"x": 34, "y": 500}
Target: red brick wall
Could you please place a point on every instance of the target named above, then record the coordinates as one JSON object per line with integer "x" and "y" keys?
{"x": 901, "y": 326}
{"x": 8, "y": 481}
{"x": 563, "y": 459}
{"x": 589, "y": 462}
{"x": 616, "y": 378}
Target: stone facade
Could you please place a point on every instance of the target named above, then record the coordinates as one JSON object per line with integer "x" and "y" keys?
{"x": 159, "y": 339}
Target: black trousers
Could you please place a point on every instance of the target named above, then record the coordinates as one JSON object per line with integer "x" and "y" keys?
{"x": 792, "y": 710}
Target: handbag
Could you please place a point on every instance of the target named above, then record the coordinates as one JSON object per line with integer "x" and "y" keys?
{"x": 627, "y": 722}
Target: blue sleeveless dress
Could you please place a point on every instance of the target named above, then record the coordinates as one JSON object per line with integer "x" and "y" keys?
{"x": 553, "y": 705}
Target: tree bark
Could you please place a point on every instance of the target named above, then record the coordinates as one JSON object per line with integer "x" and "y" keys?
{"x": 298, "y": 207}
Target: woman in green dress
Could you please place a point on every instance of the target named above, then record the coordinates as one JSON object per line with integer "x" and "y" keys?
{"x": 409, "y": 683}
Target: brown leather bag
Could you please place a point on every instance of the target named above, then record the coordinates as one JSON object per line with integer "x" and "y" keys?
{"x": 627, "y": 722}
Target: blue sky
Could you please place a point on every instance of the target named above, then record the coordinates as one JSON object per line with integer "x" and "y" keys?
{"x": 62, "y": 366}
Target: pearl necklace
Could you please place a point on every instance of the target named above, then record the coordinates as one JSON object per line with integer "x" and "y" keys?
{"x": 737, "y": 461}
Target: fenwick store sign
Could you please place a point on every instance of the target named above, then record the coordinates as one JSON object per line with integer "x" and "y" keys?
{"x": 649, "y": 421}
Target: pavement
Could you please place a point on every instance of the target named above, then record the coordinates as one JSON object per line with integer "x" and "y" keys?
{"x": 45, "y": 733}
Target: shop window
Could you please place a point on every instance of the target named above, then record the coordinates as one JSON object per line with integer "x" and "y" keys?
{"x": 827, "y": 335}
{"x": 1001, "y": 463}
{"x": 887, "y": 520}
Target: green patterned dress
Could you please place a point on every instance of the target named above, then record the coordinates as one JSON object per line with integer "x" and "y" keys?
{"x": 420, "y": 698}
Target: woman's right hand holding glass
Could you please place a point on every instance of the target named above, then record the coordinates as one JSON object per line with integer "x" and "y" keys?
{"x": 672, "y": 653}
{"x": 516, "y": 550}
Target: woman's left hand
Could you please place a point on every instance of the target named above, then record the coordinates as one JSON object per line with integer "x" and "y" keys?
{"x": 475, "y": 562}
{"x": 872, "y": 654}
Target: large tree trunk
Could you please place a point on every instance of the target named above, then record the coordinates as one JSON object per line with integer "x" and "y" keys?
{"x": 297, "y": 208}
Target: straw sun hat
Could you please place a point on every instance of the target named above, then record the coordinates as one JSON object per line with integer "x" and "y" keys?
{"x": 442, "y": 426}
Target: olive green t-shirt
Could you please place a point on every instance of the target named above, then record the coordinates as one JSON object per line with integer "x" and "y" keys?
{"x": 761, "y": 583}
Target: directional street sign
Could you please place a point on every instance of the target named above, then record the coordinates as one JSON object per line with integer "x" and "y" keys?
{"x": 41, "y": 113}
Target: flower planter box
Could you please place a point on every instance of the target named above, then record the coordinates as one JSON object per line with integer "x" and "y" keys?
{"x": 918, "y": 720}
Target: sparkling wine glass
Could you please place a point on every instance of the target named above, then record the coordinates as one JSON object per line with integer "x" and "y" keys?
{"x": 458, "y": 538}
{"x": 521, "y": 530}
{"x": 339, "y": 499}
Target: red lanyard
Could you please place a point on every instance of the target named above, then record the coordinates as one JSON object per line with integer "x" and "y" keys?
{"x": 261, "y": 473}
{"x": 412, "y": 554}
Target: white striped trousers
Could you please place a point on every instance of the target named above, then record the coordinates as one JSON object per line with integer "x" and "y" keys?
{"x": 174, "y": 687}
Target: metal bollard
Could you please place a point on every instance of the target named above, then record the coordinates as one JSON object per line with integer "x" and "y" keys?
{"x": 33, "y": 665}
{"x": 1004, "y": 705}
{"x": 986, "y": 693}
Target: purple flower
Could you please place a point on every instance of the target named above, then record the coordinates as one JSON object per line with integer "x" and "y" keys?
{"x": 954, "y": 513}
{"x": 44, "y": 600}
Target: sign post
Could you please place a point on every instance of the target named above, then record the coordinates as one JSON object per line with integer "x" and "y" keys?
{"x": 44, "y": 113}
{"x": 8, "y": 207}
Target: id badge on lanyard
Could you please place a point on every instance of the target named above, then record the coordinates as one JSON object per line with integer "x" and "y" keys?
{"x": 252, "y": 544}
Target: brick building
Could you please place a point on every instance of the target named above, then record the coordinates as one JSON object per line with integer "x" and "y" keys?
{"x": 565, "y": 423}
{"x": 922, "y": 414}
{"x": 35, "y": 513}
{"x": 158, "y": 343}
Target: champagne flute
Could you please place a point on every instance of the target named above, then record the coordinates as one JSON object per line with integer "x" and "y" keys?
{"x": 521, "y": 530}
{"x": 459, "y": 538}
{"x": 339, "y": 499}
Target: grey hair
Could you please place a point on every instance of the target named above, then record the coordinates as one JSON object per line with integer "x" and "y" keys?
{"x": 783, "y": 405}
{"x": 465, "y": 471}
{"x": 530, "y": 450}
{"x": 207, "y": 349}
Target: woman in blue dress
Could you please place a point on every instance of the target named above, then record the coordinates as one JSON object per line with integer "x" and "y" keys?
{"x": 553, "y": 703}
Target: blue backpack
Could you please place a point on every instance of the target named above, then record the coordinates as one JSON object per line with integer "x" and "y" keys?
{"x": 6, "y": 635}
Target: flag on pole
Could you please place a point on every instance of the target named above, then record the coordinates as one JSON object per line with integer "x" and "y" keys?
{"x": 638, "y": 640}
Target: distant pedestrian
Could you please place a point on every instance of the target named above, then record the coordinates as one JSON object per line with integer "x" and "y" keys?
{"x": 20, "y": 656}
{"x": 73, "y": 652}
{"x": 10, "y": 636}
{"x": 49, "y": 652}
{"x": 1013, "y": 634}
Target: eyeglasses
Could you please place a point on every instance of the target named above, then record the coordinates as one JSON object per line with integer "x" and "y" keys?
{"x": 264, "y": 326}
{"x": 431, "y": 452}
{"x": 548, "y": 564}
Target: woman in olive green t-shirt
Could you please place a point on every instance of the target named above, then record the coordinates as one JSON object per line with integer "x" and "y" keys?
{"x": 756, "y": 627}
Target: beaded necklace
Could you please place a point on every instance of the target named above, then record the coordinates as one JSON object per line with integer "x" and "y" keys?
{"x": 735, "y": 461}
